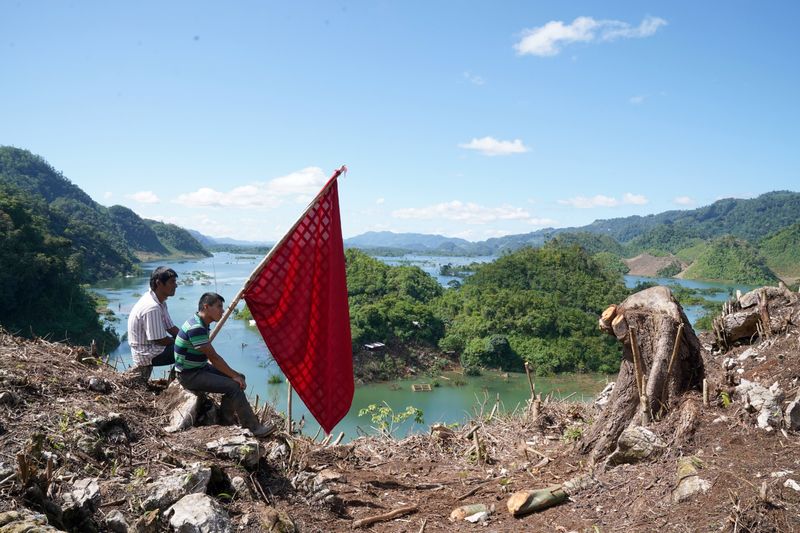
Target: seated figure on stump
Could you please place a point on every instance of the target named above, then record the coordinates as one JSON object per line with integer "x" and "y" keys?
{"x": 201, "y": 369}
{"x": 151, "y": 333}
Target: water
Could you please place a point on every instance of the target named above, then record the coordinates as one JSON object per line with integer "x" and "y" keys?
{"x": 244, "y": 350}
{"x": 694, "y": 312}
{"x": 432, "y": 264}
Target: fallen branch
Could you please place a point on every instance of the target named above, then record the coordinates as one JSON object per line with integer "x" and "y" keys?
{"x": 386, "y": 516}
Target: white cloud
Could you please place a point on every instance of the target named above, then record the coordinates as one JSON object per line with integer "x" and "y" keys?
{"x": 474, "y": 78}
{"x": 637, "y": 100}
{"x": 583, "y": 202}
{"x": 302, "y": 186}
{"x": 468, "y": 213}
{"x": 144, "y": 197}
{"x": 108, "y": 195}
{"x": 635, "y": 199}
{"x": 683, "y": 200}
{"x": 492, "y": 147}
{"x": 380, "y": 201}
{"x": 548, "y": 40}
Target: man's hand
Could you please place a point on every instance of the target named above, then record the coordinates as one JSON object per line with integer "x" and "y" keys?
{"x": 240, "y": 380}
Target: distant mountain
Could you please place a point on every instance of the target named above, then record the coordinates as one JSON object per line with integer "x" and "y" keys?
{"x": 782, "y": 251}
{"x": 103, "y": 242}
{"x": 732, "y": 260}
{"x": 209, "y": 241}
{"x": 411, "y": 241}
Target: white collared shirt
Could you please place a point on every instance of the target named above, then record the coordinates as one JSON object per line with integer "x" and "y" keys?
{"x": 149, "y": 321}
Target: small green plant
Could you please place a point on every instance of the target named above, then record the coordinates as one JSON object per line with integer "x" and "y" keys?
{"x": 458, "y": 381}
{"x": 572, "y": 433}
{"x": 139, "y": 473}
{"x": 80, "y": 415}
{"x": 274, "y": 379}
{"x": 386, "y": 420}
{"x": 63, "y": 424}
{"x": 726, "y": 398}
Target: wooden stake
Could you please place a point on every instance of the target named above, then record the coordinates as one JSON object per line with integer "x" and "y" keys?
{"x": 705, "y": 392}
{"x": 289, "y": 409}
{"x": 640, "y": 379}
{"x": 530, "y": 380}
{"x": 338, "y": 439}
{"x": 386, "y": 516}
{"x": 672, "y": 358}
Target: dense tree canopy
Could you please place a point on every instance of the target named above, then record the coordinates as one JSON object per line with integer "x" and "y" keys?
{"x": 39, "y": 284}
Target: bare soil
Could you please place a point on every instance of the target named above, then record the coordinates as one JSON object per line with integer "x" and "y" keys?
{"x": 746, "y": 467}
{"x": 649, "y": 265}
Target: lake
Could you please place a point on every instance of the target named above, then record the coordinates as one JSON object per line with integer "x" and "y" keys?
{"x": 243, "y": 348}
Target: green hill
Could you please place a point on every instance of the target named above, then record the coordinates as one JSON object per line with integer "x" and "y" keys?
{"x": 782, "y": 251}
{"x": 40, "y": 276}
{"x": 137, "y": 233}
{"x": 732, "y": 260}
{"x": 535, "y": 305}
{"x": 177, "y": 239}
{"x": 104, "y": 242}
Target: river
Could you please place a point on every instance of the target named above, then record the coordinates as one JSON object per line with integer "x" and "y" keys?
{"x": 244, "y": 349}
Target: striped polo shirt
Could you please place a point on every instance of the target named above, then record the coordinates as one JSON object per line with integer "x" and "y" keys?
{"x": 192, "y": 335}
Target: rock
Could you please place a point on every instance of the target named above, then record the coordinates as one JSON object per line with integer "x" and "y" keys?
{"x": 689, "y": 481}
{"x": 97, "y": 384}
{"x": 84, "y": 496}
{"x": 198, "y": 513}
{"x": 765, "y": 402}
{"x": 605, "y": 395}
{"x": 8, "y": 398}
{"x": 241, "y": 448}
{"x": 182, "y": 406}
{"x": 636, "y": 444}
{"x": 750, "y": 352}
{"x": 278, "y": 452}
{"x": 169, "y": 489}
{"x": 115, "y": 521}
{"x": 792, "y": 415}
{"x": 729, "y": 363}
{"x": 240, "y": 487}
{"x": 792, "y": 484}
{"x": 24, "y": 521}
{"x": 275, "y": 521}
{"x": 148, "y": 522}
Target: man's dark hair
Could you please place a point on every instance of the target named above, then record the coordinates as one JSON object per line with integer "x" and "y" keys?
{"x": 210, "y": 298}
{"x": 162, "y": 274}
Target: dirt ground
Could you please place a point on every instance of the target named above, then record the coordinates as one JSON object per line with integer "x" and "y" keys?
{"x": 324, "y": 488}
{"x": 649, "y": 265}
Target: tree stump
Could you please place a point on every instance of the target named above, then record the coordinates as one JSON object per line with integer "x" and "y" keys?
{"x": 760, "y": 312}
{"x": 665, "y": 372}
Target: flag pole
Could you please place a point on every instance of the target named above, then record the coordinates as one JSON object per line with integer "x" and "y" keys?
{"x": 264, "y": 261}
{"x": 289, "y": 410}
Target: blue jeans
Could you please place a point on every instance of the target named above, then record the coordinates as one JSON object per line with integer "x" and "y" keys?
{"x": 209, "y": 379}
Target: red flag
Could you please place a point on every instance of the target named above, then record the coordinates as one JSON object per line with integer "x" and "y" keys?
{"x": 299, "y": 303}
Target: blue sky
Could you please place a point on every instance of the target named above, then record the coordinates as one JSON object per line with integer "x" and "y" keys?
{"x": 468, "y": 119}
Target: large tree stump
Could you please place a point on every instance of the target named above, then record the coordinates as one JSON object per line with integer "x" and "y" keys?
{"x": 760, "y": 312}
{"x": 655, "y": 318}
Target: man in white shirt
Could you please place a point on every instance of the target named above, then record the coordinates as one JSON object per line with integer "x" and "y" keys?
{"x": 151, "y": 333}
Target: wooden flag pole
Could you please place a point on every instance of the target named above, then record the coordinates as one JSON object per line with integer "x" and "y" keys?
{"x": 264, "y": 261}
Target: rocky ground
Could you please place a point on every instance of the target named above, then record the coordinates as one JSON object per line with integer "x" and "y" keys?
{"x": 83, "y": 450}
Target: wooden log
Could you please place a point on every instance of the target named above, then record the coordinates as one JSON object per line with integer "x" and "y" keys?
{"x": 638, "y": 365}
{"x": 530, "y": 380}
{"x": 460, "y": 513}
{"x": 620, "y": 327}
{"x": 604, "y": 323}
{"x": 531, "y": 501}
{"x": 400, "y": 511}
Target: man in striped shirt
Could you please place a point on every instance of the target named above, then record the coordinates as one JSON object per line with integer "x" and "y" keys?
{"x": 151, "y": 333}
{"x": 201, "y": 369}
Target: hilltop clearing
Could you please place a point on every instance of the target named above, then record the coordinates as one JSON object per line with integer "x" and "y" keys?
{"x": 89, "y": 450}
{"x": 650, "y": 265}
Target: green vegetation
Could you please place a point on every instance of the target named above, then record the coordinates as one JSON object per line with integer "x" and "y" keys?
{"x": 458, "y": 271}
{"x": 611, "y": 262}
{"x": 102, "y": 242}
{"x": 591, "y": 242}
{"x": 782, "y": 251}
{"x": 539, "y": 306}
{"x": 670, "y": 270}
{"x": 732, "y": 260}
{"x": 275, "y": 379}
{"x": 386, "y": 420}
{"x": 40, "y": 278}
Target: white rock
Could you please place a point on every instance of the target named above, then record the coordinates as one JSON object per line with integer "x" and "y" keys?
{"x": 792, "y": 415}
{"x": 240, "y": 448}
{"x": 198, "y": 513}
{"x": 750, "y": 352}
{"x": 781, "y": 473}
{"x": 765, "y": 402}
{"x": 792, "y": 484}
{"x": 115, "y": 521}
{"x": 477, "y": 517}
{"x": 729, "y": 363}
{"x": 171, "y": 488}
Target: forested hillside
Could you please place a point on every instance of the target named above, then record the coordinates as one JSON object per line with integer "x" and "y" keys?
{"x": 782, "y": 251}
{"x": 39, "y": 276}
{"x": 103, "y": 242}
{"x": 733, "y": 260}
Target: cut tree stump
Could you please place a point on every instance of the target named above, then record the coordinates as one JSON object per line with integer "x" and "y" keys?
{"x": 655, "y": 317}
{"x": 761, "y": 312}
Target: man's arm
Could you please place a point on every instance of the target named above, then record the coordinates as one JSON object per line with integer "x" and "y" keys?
{"x": 219, "y": 363}
{"x": 173, "y": 331}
